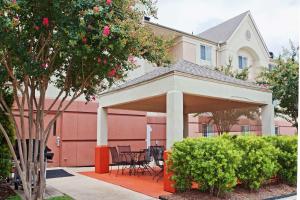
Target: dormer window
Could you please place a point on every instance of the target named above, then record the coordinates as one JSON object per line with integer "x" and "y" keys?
{"x": 243, "y": 62}
{"x": 205, "y": 52}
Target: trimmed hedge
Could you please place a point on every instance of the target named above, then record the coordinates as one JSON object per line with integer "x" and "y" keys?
{"x": 259, "y": 161}
{"x": 217, "y": 163}
{"x": 287, "y": 157}
{"x": 210, "y": 162}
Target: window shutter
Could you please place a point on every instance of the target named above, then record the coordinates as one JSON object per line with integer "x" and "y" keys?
{"x": 202, "y": 52}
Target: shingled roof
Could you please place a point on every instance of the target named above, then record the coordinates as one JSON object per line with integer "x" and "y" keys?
{"x": 222, "y": 32}
{"x": 187, "y": 67}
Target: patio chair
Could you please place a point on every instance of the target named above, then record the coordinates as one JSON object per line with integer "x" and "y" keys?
{"x": 158, "y": 152}
{"x": 144, "y": 160}
{"x": 148, "y": 160}
{"x": 124, "y": 157}
{"x": 156, "y": 146}
{"x": 115, "y": 159}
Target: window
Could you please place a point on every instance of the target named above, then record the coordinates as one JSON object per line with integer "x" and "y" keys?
{"x": 242, "y": 62}
{"x": 277, "y": 130}
{"x": 271, "y": 67}
{"x": 207, "y": 130}
{"x": 205, "y": 53}
{"x": 245, "y": 129}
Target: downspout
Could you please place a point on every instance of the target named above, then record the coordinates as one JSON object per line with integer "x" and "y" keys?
{"x": 218, "y": 50}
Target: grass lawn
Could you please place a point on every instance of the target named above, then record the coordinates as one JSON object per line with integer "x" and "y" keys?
{"x": 16, "y": 197}
{"x": 65, "y": 197}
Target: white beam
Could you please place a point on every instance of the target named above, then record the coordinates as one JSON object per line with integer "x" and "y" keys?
{"x": 102, "y": 131}
{"x": 215, "y": 89}
{"x": 267, "y": 119}
{"x": 174, "y": 117}
{"x": 155, "y": 87}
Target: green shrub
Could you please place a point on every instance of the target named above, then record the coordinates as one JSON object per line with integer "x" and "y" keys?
{"x": 259, "y": 161}
{"x": 287, "y": 157}
{"x": 210, "y": 162}
{"x": 5, "y": 157}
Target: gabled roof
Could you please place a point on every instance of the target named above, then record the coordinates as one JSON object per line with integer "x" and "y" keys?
{"x": 222, "y": 32}
{"x": 189, "y": 68}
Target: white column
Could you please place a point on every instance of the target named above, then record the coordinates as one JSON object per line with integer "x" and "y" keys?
{"x": 102, "y": 126}
{"x": 174, "y": 117}
{"x": 148, "y": 136}
{"x": 185, "y": 125}
{"x": 267, "y": 119}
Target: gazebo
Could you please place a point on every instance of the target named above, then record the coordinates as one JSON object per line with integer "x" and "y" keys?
{"x": 178, "y": 90}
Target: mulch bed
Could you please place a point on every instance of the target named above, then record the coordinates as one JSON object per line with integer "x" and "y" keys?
{"x": 239, "y": 193}
{"x": 5, "y": 191}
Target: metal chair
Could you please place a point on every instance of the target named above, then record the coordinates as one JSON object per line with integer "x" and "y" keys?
{"x": 147, "y": 161}
{"x": 156, "y": 146}
{"x": 158, "y": 152}
{"x": 115, "y": 160}
{"x": 124, "y": 157}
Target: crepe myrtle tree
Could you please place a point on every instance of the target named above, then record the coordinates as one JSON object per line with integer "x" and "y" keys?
{"x": 80, "y": 48}
{"x": 283, "y": 80}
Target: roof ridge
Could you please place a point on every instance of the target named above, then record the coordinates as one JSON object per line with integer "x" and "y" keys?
{"x": 222, "y": 31}
{"x": 244, "y": 13}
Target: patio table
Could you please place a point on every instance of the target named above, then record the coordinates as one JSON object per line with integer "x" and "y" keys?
{"x": 133, "y": 155}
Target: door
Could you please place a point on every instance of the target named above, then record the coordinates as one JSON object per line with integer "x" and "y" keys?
{"x": 54, "y": 141}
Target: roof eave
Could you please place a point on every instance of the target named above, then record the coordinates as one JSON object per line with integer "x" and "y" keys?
{"x": 181, "y": 32}
{"x": 179, "y": 73}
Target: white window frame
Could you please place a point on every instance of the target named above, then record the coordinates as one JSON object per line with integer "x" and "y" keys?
{"x": 243, "y": 63}
{"x": 207, "y": 52}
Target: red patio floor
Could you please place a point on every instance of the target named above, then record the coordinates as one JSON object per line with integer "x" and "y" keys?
{"x": 143, "y": 183}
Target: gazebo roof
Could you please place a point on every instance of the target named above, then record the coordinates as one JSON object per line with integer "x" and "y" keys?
{"x": 189, "y": 68}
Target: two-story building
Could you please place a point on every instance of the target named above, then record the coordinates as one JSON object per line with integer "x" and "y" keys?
{"x": 236, "y": 40}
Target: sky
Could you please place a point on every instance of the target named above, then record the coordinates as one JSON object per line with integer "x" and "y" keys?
{"x": 277, "y": 20}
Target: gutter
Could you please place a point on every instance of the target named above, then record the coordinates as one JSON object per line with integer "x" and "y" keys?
{"x": 180, "y": 32}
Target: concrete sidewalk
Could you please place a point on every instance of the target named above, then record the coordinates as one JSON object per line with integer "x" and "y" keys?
{"x": 84, "y": 188}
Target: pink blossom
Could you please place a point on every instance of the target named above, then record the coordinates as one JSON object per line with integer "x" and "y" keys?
{"x": 112, "y": 73}
{"x": 104, "y": 61}
{"x": 106, "y": 31}
{"x": 84, "y": 40}
{"x": 45, "y": 21}
{"x": 108, "y": 2}
{"x": 37, "y": 28}
{"x": 131, "y": 59}
{"x": 96, "y": 9}
{"x": 14, "y": 1}
{"x": 45, "y": 65}
{"x": 99, "y": 60}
